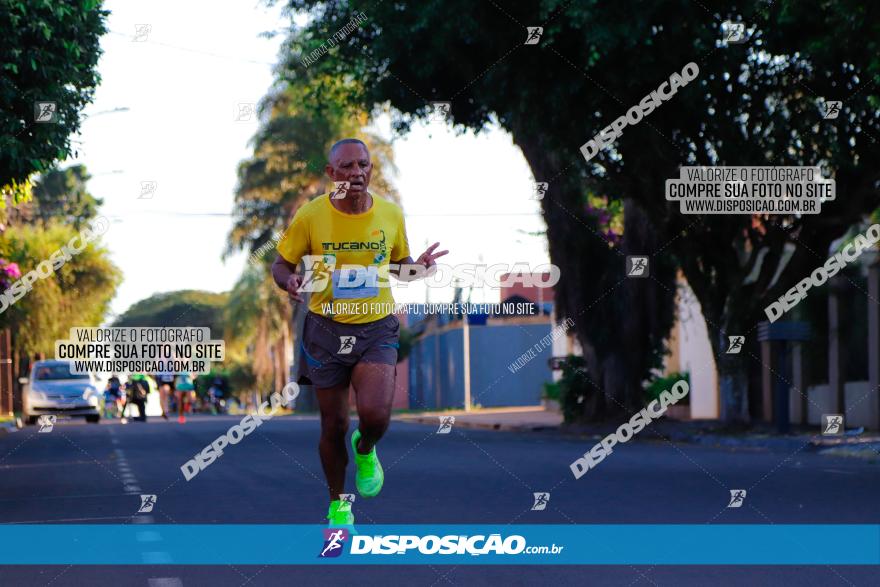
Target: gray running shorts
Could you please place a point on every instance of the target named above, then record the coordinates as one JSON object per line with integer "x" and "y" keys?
{"x": 330, "y": 349}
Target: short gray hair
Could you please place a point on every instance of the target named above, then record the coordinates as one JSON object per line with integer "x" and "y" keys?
{"x": 338, "y": 144}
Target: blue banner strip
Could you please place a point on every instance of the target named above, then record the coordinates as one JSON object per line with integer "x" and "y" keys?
{"x": 602, "y": 544}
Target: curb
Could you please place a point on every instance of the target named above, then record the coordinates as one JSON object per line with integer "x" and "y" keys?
{"x": 481, "y": 425}
{"x": 867, "y": 451}
{"x": 850, "y": 447}
{"x": 7, "y": 429}
{"x": 805, "y": 443}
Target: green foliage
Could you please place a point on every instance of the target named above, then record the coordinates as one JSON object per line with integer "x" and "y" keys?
{"x": 407, "y": 339}
{"x": 238, "y": 378}
{"x": 665, "y": 383}
{"x": 752, "y": 104}
{"x": 205, "y": 380}
{"x": 551, "y": 391}
{"x": 241, "y": 377}
{"x": 78, "y": 294}
{"x": 178, "y": 308}
{"x": 48, "y": 53}
{"x": 257, "y": 316}
{"x": 290, "y": 153}
{"x": 61, "y": 194}
{"x": 254, "y": 302}
{"x": 574, "y": 388}
{"x": 17, "y": 192}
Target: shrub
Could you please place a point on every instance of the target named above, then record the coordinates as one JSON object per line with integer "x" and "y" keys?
{"x": 574, "y": 388}
{"x": 551, "y": 391}
{"x": 660, "y": 384}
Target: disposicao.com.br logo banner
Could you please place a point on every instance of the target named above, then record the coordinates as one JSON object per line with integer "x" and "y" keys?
{"x": 442, "y": 544}
{"x": 495, "y": 544}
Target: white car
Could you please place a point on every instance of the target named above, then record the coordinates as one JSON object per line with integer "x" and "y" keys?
{"x": 53, "y": 389}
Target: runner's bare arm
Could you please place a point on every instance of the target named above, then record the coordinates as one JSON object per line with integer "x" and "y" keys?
{"x": 285, "y": 276}
{"x": 409, "y": 270}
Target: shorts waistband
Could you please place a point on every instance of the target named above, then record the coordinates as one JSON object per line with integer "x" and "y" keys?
{"x": 325, "y": 319}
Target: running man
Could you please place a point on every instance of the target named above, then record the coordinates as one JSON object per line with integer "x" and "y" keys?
{"x": 354, "y": 340}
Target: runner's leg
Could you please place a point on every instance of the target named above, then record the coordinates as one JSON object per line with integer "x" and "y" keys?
{"x": 333, "y": 403}
{"x": 374, "y": 387}
{"x": 163, "y": 399}
{"x": 181, "y": 397}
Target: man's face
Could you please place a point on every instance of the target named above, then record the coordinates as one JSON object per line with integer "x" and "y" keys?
{"x": 351, "y": 163}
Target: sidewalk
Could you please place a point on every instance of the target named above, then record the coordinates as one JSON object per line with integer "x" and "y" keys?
{"x": 523, "y": 418}
{"x": 762, "y": 436}
{"x": 7, "y": 426}
{"x": 706, "y": 432}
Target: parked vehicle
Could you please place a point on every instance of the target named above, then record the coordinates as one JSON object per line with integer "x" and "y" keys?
{"x": 53, "y": 389}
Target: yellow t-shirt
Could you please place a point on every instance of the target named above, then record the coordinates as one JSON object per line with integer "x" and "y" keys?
{"x": 327, "y": 240}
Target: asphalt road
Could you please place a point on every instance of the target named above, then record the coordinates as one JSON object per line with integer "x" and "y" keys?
{"x": 94, "y": 474}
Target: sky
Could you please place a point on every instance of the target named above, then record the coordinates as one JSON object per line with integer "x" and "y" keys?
{"x": 166, "y": 167}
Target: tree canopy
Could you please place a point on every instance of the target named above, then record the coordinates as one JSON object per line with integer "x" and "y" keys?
{"x": 77, "y": 294}
{"x": 755, "y": 103}
{"x": 48, "y": 55}
{"x": 59, "y": 195}
{"x": 287, "y": 167}
{"x": 178, "y": 308}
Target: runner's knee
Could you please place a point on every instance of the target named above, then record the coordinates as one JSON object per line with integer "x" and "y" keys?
{"x": 373, "y": 423}
{"x": 335, "y": 425}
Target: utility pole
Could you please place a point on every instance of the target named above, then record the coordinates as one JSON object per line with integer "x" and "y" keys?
{"x": 466, "y": 349}
{"x": 466, "y": 332}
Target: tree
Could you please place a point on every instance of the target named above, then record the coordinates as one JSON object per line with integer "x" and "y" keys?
{"x": 48, "y": 54}
{"x": 178, "y": 308}
{"x": 77, "y": 294}
{"x": 446, "y": 63}
{"x": 59, "y": 195}
{"x": 287, "y": 168}
{"x": 752, "y": 104}
{"x": 258, "y": 317}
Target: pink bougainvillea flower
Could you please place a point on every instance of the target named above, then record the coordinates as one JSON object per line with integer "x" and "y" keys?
{"x": 13, "y": 271}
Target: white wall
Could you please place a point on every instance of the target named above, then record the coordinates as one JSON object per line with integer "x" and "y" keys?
{"x": 860, "y": 410}
{"x": 695, "y": 354}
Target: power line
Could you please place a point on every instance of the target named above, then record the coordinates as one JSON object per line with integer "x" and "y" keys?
{"x": 197, "y": 51}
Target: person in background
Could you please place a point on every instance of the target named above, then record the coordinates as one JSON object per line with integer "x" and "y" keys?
{"x": 184, "y": 389}
{"x": 138, "y": 389}
{"x": 113, "y": 397}
{"x": 215, "y": 395}
{"x": 165, "y": 380}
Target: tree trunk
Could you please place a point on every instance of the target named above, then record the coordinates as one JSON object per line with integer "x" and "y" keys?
{"x": 733, "y": 384}
{"x": 620, "y": 322}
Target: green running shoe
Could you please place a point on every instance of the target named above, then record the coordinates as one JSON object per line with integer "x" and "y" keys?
{"x": 339, "y": 517}
{"x": 369, "y": 477}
